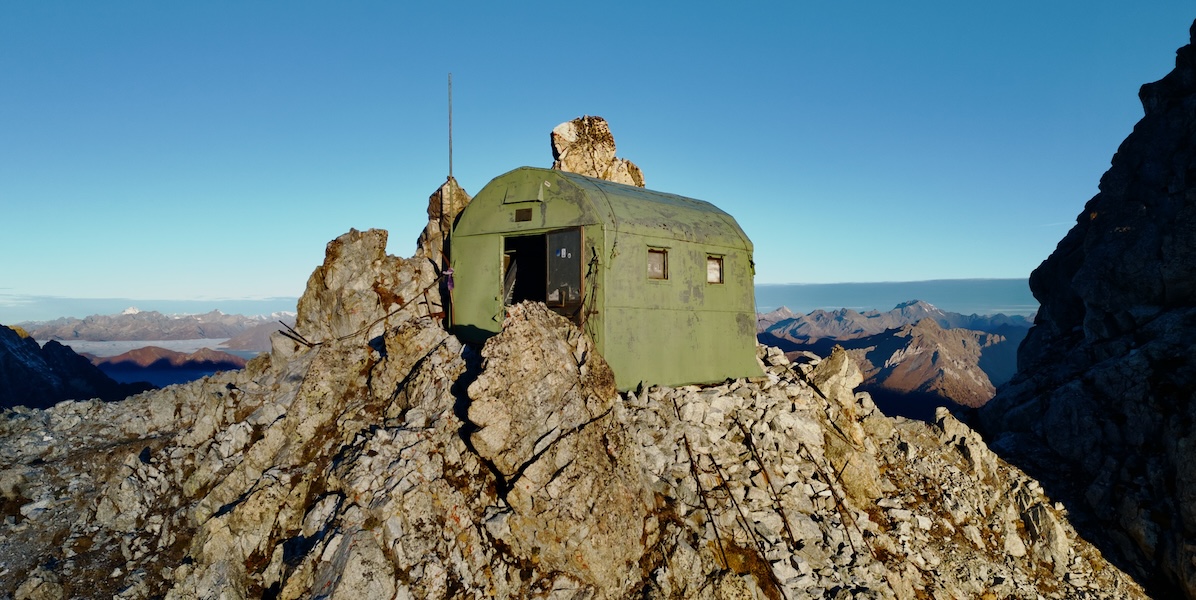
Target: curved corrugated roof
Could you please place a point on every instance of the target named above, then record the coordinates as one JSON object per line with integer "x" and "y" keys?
{"x": 624, "y": 208}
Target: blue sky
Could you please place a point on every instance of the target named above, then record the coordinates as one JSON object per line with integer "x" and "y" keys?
{"x": 205, "y": 151}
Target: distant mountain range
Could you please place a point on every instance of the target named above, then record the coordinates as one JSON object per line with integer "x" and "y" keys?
{"x": 846, "y": 324}
{"x": 163, "y": 367}
{"x": 41, "y": 376}
{"x": 133, "y": 325}
{"x": 257, "y": 338}
{"x": 34, "y": 374}
{"x": 963, "y": 296}
{"x": 914, "y": 357}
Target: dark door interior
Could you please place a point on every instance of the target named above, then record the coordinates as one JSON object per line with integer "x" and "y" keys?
{"x": 545, "y": 268}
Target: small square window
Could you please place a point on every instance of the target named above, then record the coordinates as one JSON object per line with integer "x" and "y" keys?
{"x": 714, "y": 269}
{"x": 658, "y": 263}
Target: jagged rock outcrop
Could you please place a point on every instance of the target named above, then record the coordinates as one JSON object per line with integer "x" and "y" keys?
{"x": 585, "y": 146}
{"x": 41, "y": 376}
{"x": 574, "y": 497}
{"x": 360, "y": 291}
{"x": 371, "y": 455}
{"x": 443, "y": 207}
{"x": 1102, "y": 405}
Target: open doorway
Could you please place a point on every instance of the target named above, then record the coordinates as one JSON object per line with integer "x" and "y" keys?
{"x": 545, "y": 267}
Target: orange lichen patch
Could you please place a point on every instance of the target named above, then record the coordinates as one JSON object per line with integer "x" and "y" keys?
{"x": 743, "y": 560}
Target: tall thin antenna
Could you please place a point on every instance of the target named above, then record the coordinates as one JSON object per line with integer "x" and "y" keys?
{"x": 450, "y": 110}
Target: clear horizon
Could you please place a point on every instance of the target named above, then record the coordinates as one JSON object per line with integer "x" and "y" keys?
{"x": 15, "y": 310}
{"x": 212, "y": 150}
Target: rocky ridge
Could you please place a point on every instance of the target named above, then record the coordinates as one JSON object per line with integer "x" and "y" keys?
{"x": 153, "y": 356}
{"x": 926, "y": 359}
{"x": 914, "y": 357}
{"x": 1101, "y": 407}
{"x": 41, "y": 376}
{"x": 371, "y": 454}
{"x": 847, "y": 324}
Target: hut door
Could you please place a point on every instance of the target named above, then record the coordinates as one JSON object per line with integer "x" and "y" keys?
{"x": 563, "y": 292}
{"x": 545, "y": 268}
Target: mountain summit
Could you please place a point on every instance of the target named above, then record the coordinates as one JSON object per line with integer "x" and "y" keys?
{"x": 372, "y": 454}
{"x": 915, "y": 357}
{"x": 135, "y": 325}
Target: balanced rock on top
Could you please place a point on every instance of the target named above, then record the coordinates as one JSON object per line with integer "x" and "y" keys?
{"x": 585, "y": 146}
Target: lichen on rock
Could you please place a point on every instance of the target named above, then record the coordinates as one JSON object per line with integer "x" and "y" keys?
{"x": 546, "y": 405}
{"x": 585, "y": 146}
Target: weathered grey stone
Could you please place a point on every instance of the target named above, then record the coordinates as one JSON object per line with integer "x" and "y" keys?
{"x": 345, "y": 469}
{"x": 41, "y": 585}
{"x": 536, "y": 398}
{"x": 544, "y": 403}
{"x": 362, "y": 291}
{"x": 585, "y": 146}
{"x": 444, "y": 205}
{"x": 836, "y": 379}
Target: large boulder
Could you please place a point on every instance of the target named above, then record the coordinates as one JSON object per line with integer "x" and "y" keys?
{"x": 575, "y": 499}
{"x": 360, "y": 291}
{"x": 1103, "y": 400}
{"x": 585, "y": 146}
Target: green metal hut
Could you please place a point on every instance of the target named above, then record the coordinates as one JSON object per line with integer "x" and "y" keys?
{"x": 661, "y": 283}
